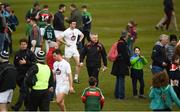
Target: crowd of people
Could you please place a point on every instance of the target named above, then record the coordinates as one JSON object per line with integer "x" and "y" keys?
{"x": 41, "y": 74}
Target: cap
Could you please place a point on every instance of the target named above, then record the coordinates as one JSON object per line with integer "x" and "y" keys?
{"x": 4, "y": 55}
{"x": 40, "y": 55}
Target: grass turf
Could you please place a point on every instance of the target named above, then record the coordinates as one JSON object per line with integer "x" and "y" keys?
{"x": 109, "y": 18}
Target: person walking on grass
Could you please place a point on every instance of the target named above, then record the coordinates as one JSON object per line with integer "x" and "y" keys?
{"x": 70, "y": 38}
{"x": 8, "y": 75}
{"x": 94, "y": 52}
{"x": 92, "y": 96}
{"x": 162, "y": 94}
{"x": 137, "y": 63}
{"x": 64, "y": 81}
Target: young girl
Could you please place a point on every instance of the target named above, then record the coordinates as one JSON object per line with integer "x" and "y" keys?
{"x": 137, "y": 62}
{"x": 174, "y": 74}
{"x": 162, "y": 94}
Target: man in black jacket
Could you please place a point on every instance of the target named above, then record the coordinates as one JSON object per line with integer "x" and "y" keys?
{"x": 159, "y": 58}
{"x": 8, "y": 75}
{"x": 94, "y": 51}
{"x": 24, "y": 58}
{"x": 58, "y": 22}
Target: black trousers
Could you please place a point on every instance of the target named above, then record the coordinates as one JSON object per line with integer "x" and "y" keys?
{"x": 137, "y": 75}
{"x": 23, "y": 96}
{"x": 94, "y": 71}
{"x": 39, "y": 99}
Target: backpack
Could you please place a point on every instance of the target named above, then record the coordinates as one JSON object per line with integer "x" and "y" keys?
{"x": 113, "y": 53}
{"x": 30, "y": 77}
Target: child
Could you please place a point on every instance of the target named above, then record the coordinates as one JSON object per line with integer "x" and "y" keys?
{"x": 131, "y": 29}
{"x": 92, "y": 96}
{"x": 174, "y": 74}
{"x": 137, "y": 62}
{"x": 162, "y": 94}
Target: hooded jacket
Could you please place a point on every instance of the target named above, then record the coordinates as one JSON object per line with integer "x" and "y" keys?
{"x": 157, "y": 102}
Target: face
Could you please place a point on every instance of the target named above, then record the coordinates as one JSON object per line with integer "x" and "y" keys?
{"x": 73, "y": 25}
{"x": 37, "y": 7}
{"x": 23, "y": 45}
{"x": 56, "y": 57}
{"x": 137, "y": 51}
{"x": 177, "y": 61}
{"x": 94, "y": 38}
{"x": 63, "y": 9}
{"x": 174, "y": 42}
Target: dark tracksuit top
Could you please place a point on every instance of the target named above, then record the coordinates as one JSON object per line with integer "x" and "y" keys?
{"x": 93, "y": 53}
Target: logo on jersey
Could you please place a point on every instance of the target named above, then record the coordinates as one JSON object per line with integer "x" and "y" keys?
{"x": 73, "y": 38}
{"x": 58, "y": 72}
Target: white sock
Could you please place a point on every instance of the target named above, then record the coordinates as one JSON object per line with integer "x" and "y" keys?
{"x": 76, "y": 76}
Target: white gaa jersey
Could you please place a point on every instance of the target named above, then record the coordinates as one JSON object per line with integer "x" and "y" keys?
{"x": 70, "y": 36}
{"x": 62, "y": 70}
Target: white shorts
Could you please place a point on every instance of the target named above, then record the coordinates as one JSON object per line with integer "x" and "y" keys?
{"x": 58, "y": 33}
{"x": 6, "y": 96}
{"x": 69, "y": 52}
{"x": 62, "y": 89}
{"x": 42, "y": 30}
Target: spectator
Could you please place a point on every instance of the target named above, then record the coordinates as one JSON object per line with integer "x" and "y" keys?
{"x": 137, "y": 62}
{"x": 8, "y": 75}
{"x": 58, "y": 22}
{"x": 23, "y": 59}
{"x": 159, "y": 58}
{"x": 132, "y": 30}
{"x": 35, "y": 37}
{"x": 121, "y": 65}
{"x": 64, "y": 82}
{"x": 171, "y": 47}
{"x": 162, "y": 94}
{"x": 2, "y": 28}
{"x": 95, "y": 100}
{"x": 87, "y": 20}
{"x": 39, "y": 95}
{"x": 94, "y": 51}
{"x": 69, "y": 38}
{"x": 169, "y": 12}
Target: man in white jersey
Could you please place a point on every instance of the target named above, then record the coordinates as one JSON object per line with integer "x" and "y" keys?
{"x": 64, "y": 83}
{"x": 69, "y": 38}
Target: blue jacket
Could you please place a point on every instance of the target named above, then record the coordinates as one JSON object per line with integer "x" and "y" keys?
{"x": 157, "y": 101}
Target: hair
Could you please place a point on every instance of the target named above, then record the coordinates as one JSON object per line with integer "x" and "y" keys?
{"x": 84, "y": 6}
{"x": 73, "y": 5}
{"x": 160, "y": 79}
{"x": 57, "y": 51}
{"x": 23, "y": 40}
{"x": 137, "y": 48}
{"x": 174, "y": 58}
{"x": 45, "y": 6}
{"x": 92, "y": 81}
{"x": 36, "y": 4}
{"x": 172, "y": 37}
{"x": 177, "y": 50}
{"x": 61, "y": 6}
{"x": 163, "y": 37}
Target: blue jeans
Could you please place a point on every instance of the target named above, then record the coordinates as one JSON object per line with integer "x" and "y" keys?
{"x": 120, "y": 87}
{"x": 2, "y": 38}
{"x": 156, "y": 69}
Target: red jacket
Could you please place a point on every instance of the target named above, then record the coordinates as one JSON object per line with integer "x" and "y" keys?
{"x": 49, "y": 58}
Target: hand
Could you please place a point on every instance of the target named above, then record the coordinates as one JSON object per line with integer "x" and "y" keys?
{"x": 104, "y": 68}
{"x": 50, "y": 89}
{"x": 65, "y": 18}
{"x": 71, "y": 90}
{"x": 164, "y": 64}
{"x": 23, "y": 61}
{"x": 81, "y": 64}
